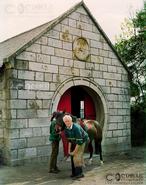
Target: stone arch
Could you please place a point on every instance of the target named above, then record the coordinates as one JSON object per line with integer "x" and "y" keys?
{"x": 92, "y": 88}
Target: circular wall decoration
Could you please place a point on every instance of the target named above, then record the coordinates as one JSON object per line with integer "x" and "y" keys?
{"x": 81, "y": 48}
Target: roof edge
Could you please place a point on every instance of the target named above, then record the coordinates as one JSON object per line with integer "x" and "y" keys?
{"x": 105, "y": 37}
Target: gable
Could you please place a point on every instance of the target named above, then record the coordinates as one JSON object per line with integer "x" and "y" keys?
{"x": 80, "y": 22}
{"x": 59, "y": 41}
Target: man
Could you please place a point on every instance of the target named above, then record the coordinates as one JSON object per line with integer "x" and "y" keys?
{"x": 54, "y": 138}
{"x": 77, "y": 138}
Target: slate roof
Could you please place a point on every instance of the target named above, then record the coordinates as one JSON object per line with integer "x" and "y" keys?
{"x": 14, "y": 46}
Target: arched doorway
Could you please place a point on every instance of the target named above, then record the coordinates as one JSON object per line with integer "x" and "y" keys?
{"x": 77, "y": 101}
{"x": 89, "y": 87}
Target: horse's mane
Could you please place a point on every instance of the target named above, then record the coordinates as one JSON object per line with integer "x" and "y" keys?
{"x": 53, "y": 116}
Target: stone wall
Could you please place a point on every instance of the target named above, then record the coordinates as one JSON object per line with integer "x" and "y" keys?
{"x": 2, "y": 123}
{"x": 43, "y": 67}
{"x": 4, "y": 114}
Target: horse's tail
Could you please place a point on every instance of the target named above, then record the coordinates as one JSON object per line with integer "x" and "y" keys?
{"x": 98, "y": 140}
{"x": 98, "y": 129}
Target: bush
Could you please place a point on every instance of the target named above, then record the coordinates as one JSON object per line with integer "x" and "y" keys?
{"x": 138, "y": 124}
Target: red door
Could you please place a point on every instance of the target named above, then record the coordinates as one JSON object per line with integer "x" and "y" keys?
{"x": 89, "y": 108}
{"x": 70, "y": 102}
{"x": 65, "y": 102}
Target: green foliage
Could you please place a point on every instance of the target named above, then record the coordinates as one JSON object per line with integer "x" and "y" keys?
{"x": 140, "y": 21}
{"x": 138, "y": 123}
{"x": 131, "y": 46}
{"x": 134, "y": 89}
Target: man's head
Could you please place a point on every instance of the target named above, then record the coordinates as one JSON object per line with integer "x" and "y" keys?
{"x": 67, "y": 120}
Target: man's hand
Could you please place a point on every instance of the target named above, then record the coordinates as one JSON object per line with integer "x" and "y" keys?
{"x": 71, "y": 153}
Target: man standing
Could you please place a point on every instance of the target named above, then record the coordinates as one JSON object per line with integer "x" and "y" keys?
{"x": 54, "y": 138}
{"x": 77, "y": 138}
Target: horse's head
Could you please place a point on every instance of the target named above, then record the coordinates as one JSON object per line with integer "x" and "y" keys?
{"x": 59, "y": 118}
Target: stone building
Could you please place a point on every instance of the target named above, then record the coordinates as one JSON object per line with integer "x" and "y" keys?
{"x": 68, "y": 63}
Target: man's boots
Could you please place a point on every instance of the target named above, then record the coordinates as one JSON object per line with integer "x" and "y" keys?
{"x": 78, "y": 173}
{"x": 72, "y": 167}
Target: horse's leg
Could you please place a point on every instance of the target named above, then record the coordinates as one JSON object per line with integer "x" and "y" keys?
{"x": 96, "y": 146}
{"x": 98, "y": 150}
{"x": 100, "y": 153}
{"x": 90, "y": 149}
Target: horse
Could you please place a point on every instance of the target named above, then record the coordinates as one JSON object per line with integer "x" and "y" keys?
{"x": 94, "y": 130}
{"x": 92, "y": 127}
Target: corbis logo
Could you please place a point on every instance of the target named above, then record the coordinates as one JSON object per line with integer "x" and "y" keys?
{"x": 124, "y": 178}
{"x": 24, "y": 8}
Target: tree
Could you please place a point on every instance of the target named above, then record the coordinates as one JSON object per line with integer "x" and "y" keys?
{"x": 131, "y": 46}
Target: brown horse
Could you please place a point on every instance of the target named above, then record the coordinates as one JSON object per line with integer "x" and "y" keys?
{"x": 93, "y": 129}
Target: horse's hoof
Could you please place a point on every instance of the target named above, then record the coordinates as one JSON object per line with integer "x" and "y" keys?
{"x": 90, "y": 161}
{"x": 101, "y": 162}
